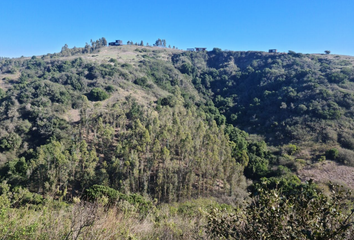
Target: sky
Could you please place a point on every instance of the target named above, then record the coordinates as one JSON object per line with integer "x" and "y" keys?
{"x": 39, "y": 27}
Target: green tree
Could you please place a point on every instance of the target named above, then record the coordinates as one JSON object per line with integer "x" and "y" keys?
{"x": 103, "y": 42}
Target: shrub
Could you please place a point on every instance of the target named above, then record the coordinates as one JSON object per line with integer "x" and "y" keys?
{"x": 110, "y": 88}
{"x": 301, "y": 213}
{"x": 301, "y": 108}
{"x": 291, "y": 149}
{"x": 217, "y": 50}
{"x": 141, "y": 81}
{"x": 98, "y": 94}
{"x": 332, "y": 153}
{"x": 2, "y": 93}
{"x": 97, "y": 192}
{"x": 168, "y": 101}
{"x": 337, "y": 77}
{"x": 112, "y": 60}
{"x": 346, "y": 157}
{"x": 186, "y": 68}
{"x": 346, "y": 141}
{"x": 257, "y": 167}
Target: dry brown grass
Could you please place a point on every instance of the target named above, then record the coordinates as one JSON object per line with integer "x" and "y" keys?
{"x": 4, "y": 83}
{"x": 327, "y": 171}
{"x": 73, "y": 115}
{"x": 124, "y": 54}
{"x": 90, "y": 221}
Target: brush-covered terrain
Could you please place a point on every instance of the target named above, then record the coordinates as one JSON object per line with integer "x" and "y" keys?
{"x": 134, "y": 142}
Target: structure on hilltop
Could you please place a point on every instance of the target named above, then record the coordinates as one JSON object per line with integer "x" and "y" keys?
{"x": 116, "y": 43}
{"x": 197, "y": 49}
{"x": 200, "y": 49}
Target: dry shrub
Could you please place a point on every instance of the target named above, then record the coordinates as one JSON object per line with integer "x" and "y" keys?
{"x": 92, "y": 221}
{"x": 330, "y": 136}
{"x": 346, "y": 157}
{"x": 346, "y": 141}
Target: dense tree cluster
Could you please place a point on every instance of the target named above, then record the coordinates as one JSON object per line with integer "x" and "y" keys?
{"x": 169, "y": 153}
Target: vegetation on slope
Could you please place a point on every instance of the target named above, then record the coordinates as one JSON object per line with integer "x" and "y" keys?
{"x": 154, "y": 126}
{"x": 292, "y": 98}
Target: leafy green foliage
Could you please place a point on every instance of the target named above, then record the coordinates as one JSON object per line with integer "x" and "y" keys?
{"x": 168, "y": 101}
{"x": 332, "y": 153}
{"x": 98, "y": 94}
{"x": 302, "y": 213}
{"x": 97, "y": 192}
{"x": 141, "y": 81}
{"x": 283, "y": 97}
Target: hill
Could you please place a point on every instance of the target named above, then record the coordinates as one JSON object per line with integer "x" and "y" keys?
{"x": 299, "y": 99}
{"x": 148, "y": 124}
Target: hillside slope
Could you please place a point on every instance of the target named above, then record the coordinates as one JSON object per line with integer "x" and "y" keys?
{"x": 119, "y": 117}
{"x": 138, "y": 142}
{"x": 302, "y": 99}
{"x": 300, "y": 104}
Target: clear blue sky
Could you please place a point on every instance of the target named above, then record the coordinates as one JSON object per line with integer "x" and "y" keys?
{"x": 36, "y": 27}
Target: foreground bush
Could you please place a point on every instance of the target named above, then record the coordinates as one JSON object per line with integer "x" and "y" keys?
{"x": 302, "y": 213}
{"x": 94, "y": 221}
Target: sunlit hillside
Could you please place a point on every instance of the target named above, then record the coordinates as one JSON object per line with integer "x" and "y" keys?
{"x": 144, "y": 142}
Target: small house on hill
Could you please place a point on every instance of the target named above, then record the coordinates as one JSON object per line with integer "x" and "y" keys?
{"x": 272, "y": 51}
{"x": 116, "y": 43}
{"x": 199, "y": 49}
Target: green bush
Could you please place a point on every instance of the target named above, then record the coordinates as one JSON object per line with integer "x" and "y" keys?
{"x": 337, "y": 77}
{"x": 332, "y": 153}
{"x": 301, "y": 213}
{"x": 141, "y": 81}
{"x": 168, "y": 101}
{"x": 186, "y": 68}
{"x": 98, "y": 94}
{"x": 110, "y": 88}
{"x": 112, "y": 60}
{"x": 97, "y": 192}
{"x": 257, "y": 167}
